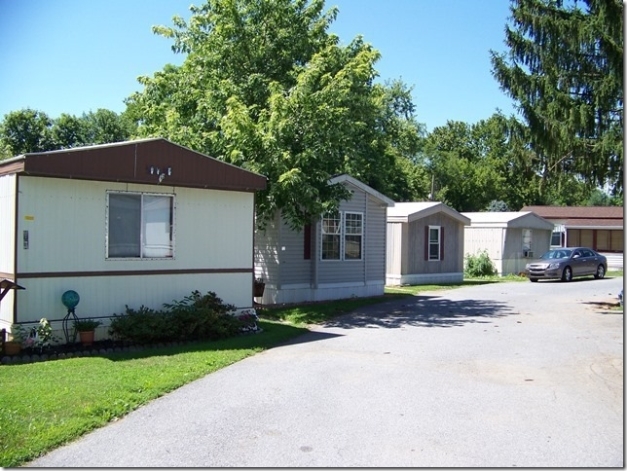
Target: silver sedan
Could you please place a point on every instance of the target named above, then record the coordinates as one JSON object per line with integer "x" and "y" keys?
{"x": 567, "y": 263}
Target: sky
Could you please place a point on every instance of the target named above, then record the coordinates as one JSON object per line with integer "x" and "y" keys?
{"x": 76, "y": 56}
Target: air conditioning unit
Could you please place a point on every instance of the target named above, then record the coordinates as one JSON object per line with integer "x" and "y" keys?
{"x": 528, "y": 253}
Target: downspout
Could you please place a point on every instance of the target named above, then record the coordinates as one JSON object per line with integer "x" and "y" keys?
{"x": 364, "y": 242}
{"x": 503, "y": 237}
{"x": 252, "y": 286}
{"x": 316, "y": 256}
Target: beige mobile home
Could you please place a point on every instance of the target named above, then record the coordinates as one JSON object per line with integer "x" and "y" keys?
{"x": 339, "y": 256}
{"x": 425, "y": 244}
{"x": 510, "y": 238}
{"x": 133, "y": 223}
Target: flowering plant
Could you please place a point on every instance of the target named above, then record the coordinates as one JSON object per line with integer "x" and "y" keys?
{"x": 249, "y": 320}
{"x": 44, "y": 332}
{"x": 40, "y": 336}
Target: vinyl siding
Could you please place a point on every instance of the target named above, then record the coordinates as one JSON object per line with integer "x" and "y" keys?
{"x": 267, "y": 246}
{"x": 279, "y": 255}
{"x": 375, "y": 240}
{"x": 343, "y": 271}
{"x": 394, "y": 247}
{"x": 103, "y": 296}
{"x": 453, "y": 245}
{"x": 294, "y": 269}
{"x": 8, "y": 195}
{"x": 213, "y": 229}
{"x": 504, "y": 246}
{"x": 513, "y": 260}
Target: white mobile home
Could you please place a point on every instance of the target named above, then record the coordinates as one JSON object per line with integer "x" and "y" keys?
{"x": 339, "y": 256}
{"x": 132, "y": 223}
{"x": 510, "y": 238}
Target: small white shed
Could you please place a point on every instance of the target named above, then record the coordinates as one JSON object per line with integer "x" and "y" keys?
{"x": 140, "y": 223}
{"x": 510, "y": 238}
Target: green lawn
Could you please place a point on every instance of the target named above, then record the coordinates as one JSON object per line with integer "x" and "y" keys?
{"x": 44, "y": 405}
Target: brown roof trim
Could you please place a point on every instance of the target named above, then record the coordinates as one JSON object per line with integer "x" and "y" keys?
{"x": 594, "y": 223}
{"x": 577, "y": 212}
{"x": 132, "y": 162}
{"x": 183, "y": 271}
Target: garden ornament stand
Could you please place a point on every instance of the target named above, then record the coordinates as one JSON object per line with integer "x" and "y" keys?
{"x": 70, "y": 299}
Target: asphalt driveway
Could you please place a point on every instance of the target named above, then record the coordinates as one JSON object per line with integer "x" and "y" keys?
{"x": 501, "y": 375}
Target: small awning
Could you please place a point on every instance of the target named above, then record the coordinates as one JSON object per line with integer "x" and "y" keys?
{"x": 6, "y": 285}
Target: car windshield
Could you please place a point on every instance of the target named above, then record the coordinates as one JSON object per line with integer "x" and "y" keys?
{"x": 556, "y": 254}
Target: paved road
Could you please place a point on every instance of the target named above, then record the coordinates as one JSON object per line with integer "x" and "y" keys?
{"x": 515, "y": 374}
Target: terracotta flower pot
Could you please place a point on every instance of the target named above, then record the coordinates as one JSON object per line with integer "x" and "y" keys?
{"x": 12, "y": 348}
{"x": 87, "y": 338}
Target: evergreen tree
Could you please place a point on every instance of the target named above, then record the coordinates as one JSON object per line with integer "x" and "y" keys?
{"x": 565, "y": 70}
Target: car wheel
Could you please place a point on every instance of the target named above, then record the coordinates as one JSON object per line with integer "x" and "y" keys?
{"x": 567, "y": 274}
{"x": 533, "y": 280}
{"x": 600, "y": 272}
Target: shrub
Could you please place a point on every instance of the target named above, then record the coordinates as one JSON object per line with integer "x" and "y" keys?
{"x": 198, "y": 317}
{"x": 142, "y": 326}
{"x": 195, "y": 317}
{"x": 479, "y": 265}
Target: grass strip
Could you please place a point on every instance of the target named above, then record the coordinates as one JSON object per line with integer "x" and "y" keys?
{"x": 44, "y": 405}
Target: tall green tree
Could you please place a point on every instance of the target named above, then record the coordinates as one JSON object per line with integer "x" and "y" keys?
{"x": 105, "y": 126}
{"x": 26, "y": 130}
{"x": 69, "y": 131}
{"x": 565, "y": 70}
{"x": 474, "y": 164}
{"x": 266, "y": 87}
{"x": 30, "y": 130}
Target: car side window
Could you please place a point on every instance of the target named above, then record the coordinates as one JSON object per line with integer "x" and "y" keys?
{"x": 587, "y": 253}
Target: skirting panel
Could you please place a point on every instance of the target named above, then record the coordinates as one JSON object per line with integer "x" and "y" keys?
{"x": 424, "y": 278}
{"x": 300, "y": 294}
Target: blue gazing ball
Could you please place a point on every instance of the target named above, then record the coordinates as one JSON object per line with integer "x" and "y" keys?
{"x": 70, "y": 299}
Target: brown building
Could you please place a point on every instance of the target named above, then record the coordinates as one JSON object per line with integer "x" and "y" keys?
{"x": 597, "y": 227}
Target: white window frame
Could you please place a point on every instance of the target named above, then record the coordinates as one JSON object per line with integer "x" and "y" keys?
{"x": 527, "y": 239}
{"x": 346, "y": 234}
{"x": 342, "y": 234}
{"x": 337, "y": 233}
{"x": 439, "y": 243}
{"x": 142, "y": 241}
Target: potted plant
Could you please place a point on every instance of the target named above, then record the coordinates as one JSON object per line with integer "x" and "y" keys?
{"x": 86, "y": 330}
{"x": 18, "y": 337}
{"x": 258, "y": 287}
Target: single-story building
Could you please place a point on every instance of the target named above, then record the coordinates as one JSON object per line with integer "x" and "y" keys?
{"x": 133, "y": 223}
{"x": 510, "y": 238}
{"x": 341, "y": 255}
{"x": 425, "y": 244}
{"x": 597, "y": 227}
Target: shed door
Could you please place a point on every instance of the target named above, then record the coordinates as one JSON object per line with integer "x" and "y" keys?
{"x": 617, "y": 241}
{"x": 603, "y": 240}
{"x": 586, "y": 238}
